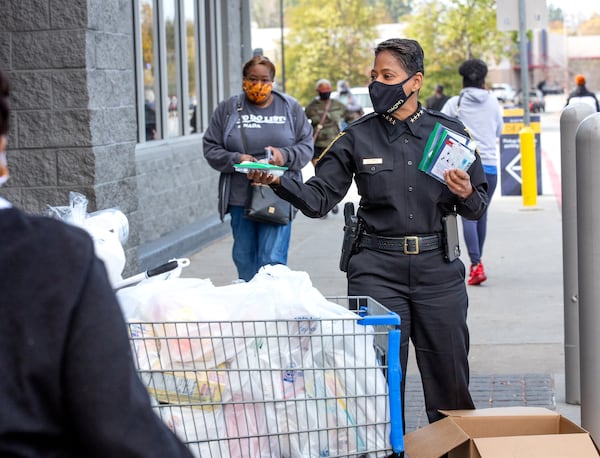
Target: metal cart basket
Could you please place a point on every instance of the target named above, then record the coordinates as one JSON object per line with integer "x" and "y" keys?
{"x": 280, "y": 388}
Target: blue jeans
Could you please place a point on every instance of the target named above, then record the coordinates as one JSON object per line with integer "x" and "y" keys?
{"x": 257, "y": 244}
{"x": 474, "y": 231}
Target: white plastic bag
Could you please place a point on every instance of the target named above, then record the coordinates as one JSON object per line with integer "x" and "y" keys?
{"x": 108, "y": 228}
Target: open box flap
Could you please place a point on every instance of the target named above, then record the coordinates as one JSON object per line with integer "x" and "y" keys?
{"x": 542, "y": 446}
{"x": 434, "y": 440}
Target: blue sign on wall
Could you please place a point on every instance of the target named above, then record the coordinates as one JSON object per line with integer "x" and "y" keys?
{"x": 510, "y": 152}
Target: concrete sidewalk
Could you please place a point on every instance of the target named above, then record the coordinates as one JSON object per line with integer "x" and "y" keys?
{"x": 515, "y": 318}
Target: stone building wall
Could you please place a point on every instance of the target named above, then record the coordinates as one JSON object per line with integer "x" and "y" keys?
{"x": 71, "y": 64}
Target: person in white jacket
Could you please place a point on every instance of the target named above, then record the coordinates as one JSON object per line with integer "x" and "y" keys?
{"x": 481, "y": 113}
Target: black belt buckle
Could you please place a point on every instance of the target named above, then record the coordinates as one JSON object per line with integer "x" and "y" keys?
{"x": 411, "y": 245}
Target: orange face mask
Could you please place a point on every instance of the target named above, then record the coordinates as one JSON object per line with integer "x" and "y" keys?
{"x": 257, "y": 92}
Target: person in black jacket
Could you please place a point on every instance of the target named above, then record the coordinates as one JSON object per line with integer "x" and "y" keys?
{"x": 437, "y": 100}
{"x": 69, "y": 386}
{"x": 581, "y": 94}
{"x": 400, "y": 257}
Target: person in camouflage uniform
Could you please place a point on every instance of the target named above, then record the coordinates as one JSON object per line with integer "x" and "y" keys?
{"x": 326, "y": 116}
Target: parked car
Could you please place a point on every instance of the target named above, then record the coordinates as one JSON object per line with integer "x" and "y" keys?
{"x": 504, "y": 92}
{"x": 537, "y": 104}
{"x": 362, "y": 97}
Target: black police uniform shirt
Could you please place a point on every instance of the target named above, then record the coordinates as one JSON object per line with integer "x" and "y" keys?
{"x": 383, "y": 155}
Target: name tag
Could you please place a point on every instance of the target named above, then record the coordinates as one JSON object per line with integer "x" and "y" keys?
{"x": 373, "y": 161}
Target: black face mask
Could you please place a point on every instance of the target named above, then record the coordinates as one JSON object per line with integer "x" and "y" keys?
{"x": 387, "y": 98}
{"x": 324, "y": 95}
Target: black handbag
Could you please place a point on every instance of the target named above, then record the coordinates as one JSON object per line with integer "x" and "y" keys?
{"x": 264, "y": 206}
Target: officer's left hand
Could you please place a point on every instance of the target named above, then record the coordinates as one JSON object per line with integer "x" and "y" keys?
{"x": 459, "y": 182}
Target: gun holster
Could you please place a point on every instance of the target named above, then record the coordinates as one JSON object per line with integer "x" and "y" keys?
{"x": 352, "y": 231}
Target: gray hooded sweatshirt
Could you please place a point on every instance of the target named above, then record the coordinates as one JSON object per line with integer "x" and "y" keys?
{"x": 481, "y": 113}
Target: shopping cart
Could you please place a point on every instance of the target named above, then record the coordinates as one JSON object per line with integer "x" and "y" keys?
{"x": 278, "y": 388}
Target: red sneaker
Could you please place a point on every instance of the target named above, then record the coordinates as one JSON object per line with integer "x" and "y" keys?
{"x": 477, "y": 274}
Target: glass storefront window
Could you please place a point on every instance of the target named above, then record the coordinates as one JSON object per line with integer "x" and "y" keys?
{"x": 172, "y": 66}
{"x": 173, "y": 95}
{"x": 151, "y": 90}
{"x": 191, "y": 114}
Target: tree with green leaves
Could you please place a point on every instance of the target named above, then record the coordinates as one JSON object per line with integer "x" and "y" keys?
{"x": 266, "y": 13}
{"x": 332, "y": 40}
{"x": 453, "y": 31}
{"x": 391, "y": 11}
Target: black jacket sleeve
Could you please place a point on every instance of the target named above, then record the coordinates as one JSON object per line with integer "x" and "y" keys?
{"x": 106, "y": 397}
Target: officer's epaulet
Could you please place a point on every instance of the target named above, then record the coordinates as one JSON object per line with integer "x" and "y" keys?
{"x": 452, "y": 119}
{"x": 439, "y": 114}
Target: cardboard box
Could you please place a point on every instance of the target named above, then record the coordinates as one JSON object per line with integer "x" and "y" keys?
{"x": 515, "y": 432}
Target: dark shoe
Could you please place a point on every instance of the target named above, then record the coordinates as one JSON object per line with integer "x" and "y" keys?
{"x": 335, "y": 210}
{"x": 477, "y": 274}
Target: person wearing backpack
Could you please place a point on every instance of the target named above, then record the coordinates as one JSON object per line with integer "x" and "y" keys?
{"x": 480, "y": 112}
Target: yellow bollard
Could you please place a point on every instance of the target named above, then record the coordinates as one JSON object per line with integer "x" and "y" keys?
{"x": 528, "y": 168}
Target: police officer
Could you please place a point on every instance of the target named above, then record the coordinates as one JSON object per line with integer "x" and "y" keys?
{"x": 400, "y": 260}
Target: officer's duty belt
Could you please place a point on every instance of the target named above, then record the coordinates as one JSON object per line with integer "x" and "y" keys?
{"x": 410, "y": 244}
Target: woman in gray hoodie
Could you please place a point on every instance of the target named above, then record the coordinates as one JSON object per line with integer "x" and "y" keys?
{"x": 481, "y": 113}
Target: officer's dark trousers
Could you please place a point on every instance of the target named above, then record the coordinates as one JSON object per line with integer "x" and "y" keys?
{"x": 430, "y": 296}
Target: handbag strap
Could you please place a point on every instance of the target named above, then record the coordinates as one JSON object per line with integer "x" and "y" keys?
{"x": 239, "y": 110}
{"x": 320, "y": 125}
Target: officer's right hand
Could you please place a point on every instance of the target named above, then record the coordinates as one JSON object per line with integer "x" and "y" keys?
{"x": 459, "y": 182}
{"x": 263, "y": 177}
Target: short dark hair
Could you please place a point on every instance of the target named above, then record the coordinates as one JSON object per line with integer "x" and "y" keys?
{"x": 473, "y": 72}
{"x": 259, "y": 60}
{"x": 408, "y": 53}
{"x": 4, "y": 108}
